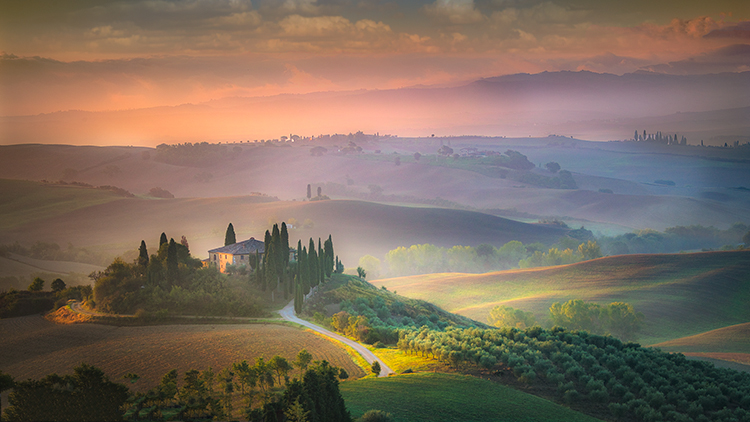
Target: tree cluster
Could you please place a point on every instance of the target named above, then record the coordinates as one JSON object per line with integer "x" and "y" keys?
{"x": 36, "y": 300}
{"x": 674, "y": 239}
{"x": 264, "y": 388}
{"x": 374, "y": 315}
{"x": 622, "y": 379}
{"x": 171, "y": 280}
{"x": 428, "y": 258}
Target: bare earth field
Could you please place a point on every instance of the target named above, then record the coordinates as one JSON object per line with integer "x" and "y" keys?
{"x": 34, "y": 347}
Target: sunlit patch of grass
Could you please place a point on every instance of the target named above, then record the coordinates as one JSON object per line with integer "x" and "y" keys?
{"x": 450, "y": 397}
{"x": 399, "y": 361}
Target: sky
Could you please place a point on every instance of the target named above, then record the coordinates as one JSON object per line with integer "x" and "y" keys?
{"x": 100, "y": 55}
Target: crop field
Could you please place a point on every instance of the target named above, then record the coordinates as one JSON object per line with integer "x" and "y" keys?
{"x": 679, "y": 294}
{"x": 34, "y": 347}
{"x": 450, "y": 397}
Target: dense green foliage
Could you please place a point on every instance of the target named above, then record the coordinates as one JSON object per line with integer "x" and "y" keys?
{"x": 87, "y": 395}
{"x": 618, "y": 319}
{"x": 623, "y": 379}
{"x": 505, "y": 316}
{"x": 173, "y": 281}
{"x": 563, "y": 180}
{"x": 371, "y": 314}
{"x": 264, "y": 388}
{"x": 15, "y": 303}
{"x": 673, "y": 239}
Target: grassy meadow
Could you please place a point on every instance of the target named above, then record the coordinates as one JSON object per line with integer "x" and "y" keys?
{"x": 440, "y": 397}
{"x": 679, "y": 294}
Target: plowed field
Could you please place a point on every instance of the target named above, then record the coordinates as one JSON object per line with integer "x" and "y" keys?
{"x": 33, "y": 347}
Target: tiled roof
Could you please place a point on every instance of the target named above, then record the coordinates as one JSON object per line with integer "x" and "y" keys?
{"x": 249, "y": 246}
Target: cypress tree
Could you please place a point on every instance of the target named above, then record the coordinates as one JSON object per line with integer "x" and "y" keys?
{"x": 229, "y": 237}
{"x": 309, "y": 191}
{"x": 172, "y": 264}
{"x": 304, "y": 263}
{"x": 321, "y": 264}
{"x": 297, "y": 296}
{"x": 163, "y": 239}
{"x": 328, "y": 248}
{"x": 265, "y": 267}
{"x": 143, "y": 255}
{"x": 314, "y": 272}
{"x": 284, "y": 244}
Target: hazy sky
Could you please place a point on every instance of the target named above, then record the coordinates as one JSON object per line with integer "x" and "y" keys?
{"x": 110, "y": 55}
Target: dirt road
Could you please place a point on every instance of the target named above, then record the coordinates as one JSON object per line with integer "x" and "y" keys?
{"x": 288, "y": 314}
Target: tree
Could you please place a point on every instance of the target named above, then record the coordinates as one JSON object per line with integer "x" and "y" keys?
{"x": 37, "y": 285}
{"x": 229, "y": 237}
{"x": 361, "y": 273}
{"x": 303, "y": 359}
{"x": 397, "y": 160}
{"x": 6, "y": 383}
{"x": 552, "y": 166}
{"x": 172, "y": 262}
{"x": 58, "y": 285}
{"x": 505, "y": 316}
{"x": 309, "y": 191}
{"x": 284, "y": 244}
{"x": 163, "y": 239}
{"x": 281, "y": 366}
{"x": 417, "y": 156}
{"x": 143, "y": 255}
{"x": 746, "y": 239}
{"x": 375, "y": 368}
{"x": 320, "y": 191}
{"x": 589, "y": 250}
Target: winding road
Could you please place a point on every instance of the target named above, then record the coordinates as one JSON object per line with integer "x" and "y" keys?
{"x": 288, "y": 314}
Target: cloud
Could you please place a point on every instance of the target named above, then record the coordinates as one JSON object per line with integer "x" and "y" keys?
{"x": 458, "y": 12}
{"x": 741, "y": 31}
{"x": 733, "y": 58}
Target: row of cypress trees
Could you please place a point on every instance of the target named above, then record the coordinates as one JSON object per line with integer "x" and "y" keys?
{"x": 277, "y": 273}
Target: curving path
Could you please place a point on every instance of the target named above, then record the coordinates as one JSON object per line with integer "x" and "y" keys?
{"x": 288, "y": 314}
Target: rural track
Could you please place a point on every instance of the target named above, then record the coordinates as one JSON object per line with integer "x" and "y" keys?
{"x": 287, "y": 313}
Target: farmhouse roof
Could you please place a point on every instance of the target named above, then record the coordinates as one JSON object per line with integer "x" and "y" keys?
{"x": 249, "y": 246}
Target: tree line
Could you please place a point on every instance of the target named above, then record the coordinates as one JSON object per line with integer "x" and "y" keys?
{"x": 618, "y": 318}
{"x": 428, "y": 258}
{"x": 264, "y": 388}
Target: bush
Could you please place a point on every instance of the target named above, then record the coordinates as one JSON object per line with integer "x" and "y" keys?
{"x": 376, "y": 416}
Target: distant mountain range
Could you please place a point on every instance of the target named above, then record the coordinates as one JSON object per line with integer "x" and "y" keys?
{"x": 583, "y": 104}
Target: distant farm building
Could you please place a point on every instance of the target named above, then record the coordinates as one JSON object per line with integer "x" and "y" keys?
{"x": 245, "y": 253}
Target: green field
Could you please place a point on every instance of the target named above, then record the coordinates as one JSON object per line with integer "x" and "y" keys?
{"x": 679, "y": 294}
{"x": 450, "y": 397}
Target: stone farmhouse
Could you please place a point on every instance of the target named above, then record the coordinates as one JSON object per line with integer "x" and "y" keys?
{"x": 238, "y": 254}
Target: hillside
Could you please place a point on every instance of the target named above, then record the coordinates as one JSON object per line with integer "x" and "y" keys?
{"x": 450, "y": 397}
{"x": 704, "y": 193}
{"x": 679, "y": 294}
{"x": 358, "y": 228}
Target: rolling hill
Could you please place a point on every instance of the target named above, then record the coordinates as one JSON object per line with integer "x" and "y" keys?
{"x": 357, "y": 227}
{"x": 679, "y": 294}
